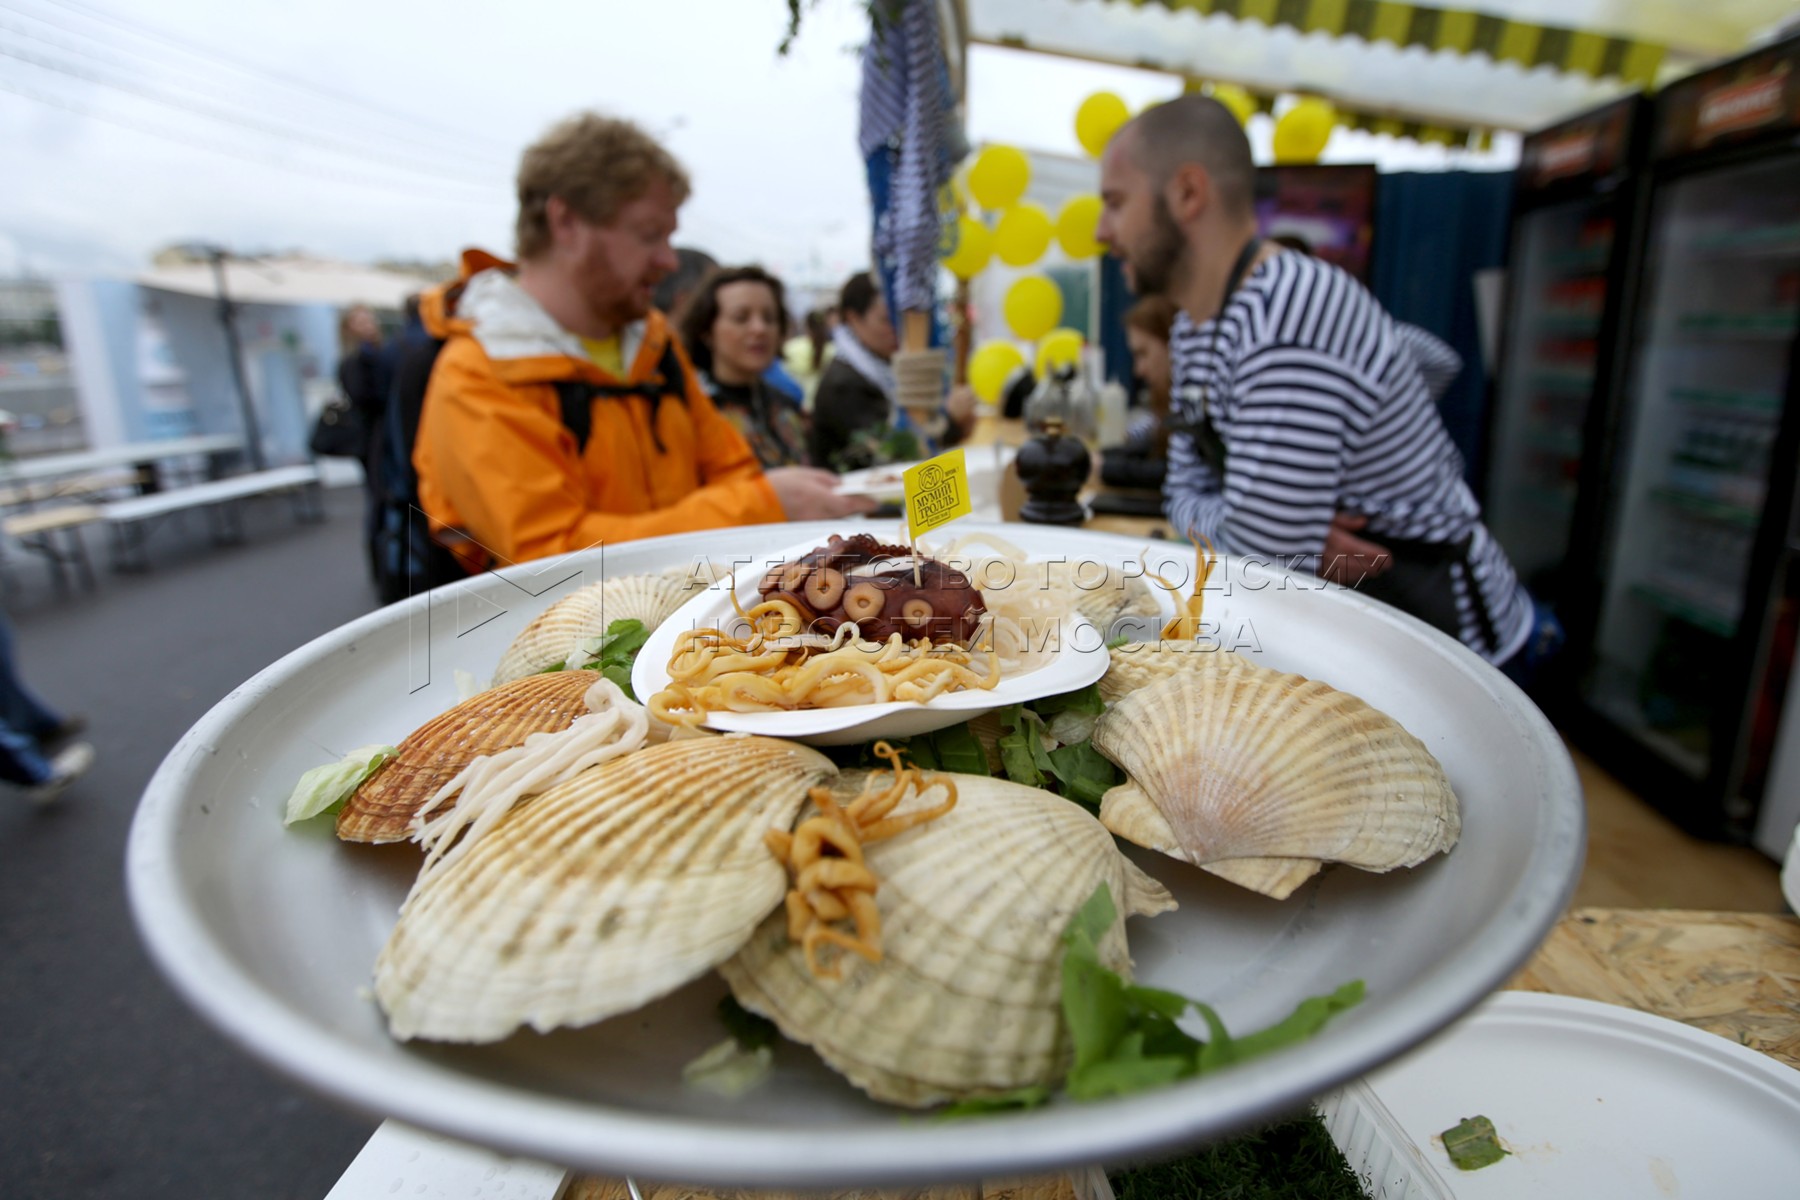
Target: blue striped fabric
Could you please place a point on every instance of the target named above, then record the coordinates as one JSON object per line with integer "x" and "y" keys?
{"x": 1323, "y": 408}
{"x": 908, "y": 109}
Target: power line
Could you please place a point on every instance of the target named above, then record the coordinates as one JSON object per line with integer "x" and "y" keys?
{"x": 201, "y": 50}
{"x": 310, "y": 171}
{"x": 214, "y": 112}
{"x": 376, "y": 144}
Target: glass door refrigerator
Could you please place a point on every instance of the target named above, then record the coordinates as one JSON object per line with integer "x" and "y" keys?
{"x": 1576, "y": 207}
{"x": 1684, "y": 652}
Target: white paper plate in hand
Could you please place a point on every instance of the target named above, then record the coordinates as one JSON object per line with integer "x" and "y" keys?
{"x": 885, "y": 483}
{"x": 1079, "y": 658}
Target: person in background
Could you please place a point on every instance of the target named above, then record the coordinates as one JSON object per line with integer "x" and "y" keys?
{"x": 561, "y": 412}
{"x": 1305, "y": 432}
{"x": 857, "y": 421}
{"x": 1142, "y": 461}
{"x": 365, "y": 373}
{"x": 28, "y": 730}
{"x": 1437, "y": 361}
{"x": 732, "y": 326}
{"x": 691, "y": 266}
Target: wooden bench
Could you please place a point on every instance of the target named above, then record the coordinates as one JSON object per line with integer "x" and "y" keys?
{"x": 218, "y": 497}
{"x": 37, "y": 531}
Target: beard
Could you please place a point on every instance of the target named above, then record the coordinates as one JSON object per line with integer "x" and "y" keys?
{"x": 1155, "y": 264}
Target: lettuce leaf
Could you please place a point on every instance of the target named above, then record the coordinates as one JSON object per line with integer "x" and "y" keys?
{"x": 1022, "y": 752}
{"x": 613, "y": 653}
{"x": 1127, "y": 1038}
{"x": 1085, "y": 773}
{"x": 325, "y": 789}
{"x": 981, "y": 1106}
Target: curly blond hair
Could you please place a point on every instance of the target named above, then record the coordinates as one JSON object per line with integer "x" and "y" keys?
{"x": 597, "y": 165}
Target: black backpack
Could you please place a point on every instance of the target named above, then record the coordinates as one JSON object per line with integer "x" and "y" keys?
{"x": 404, "y": 555}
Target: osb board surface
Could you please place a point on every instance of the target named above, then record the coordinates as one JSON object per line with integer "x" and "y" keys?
{"x": 1733, "y": 974}
{"x": 1056, "y": 1187}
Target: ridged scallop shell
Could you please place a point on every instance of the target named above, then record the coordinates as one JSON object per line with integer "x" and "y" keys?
{"x": 967, "y": 998}
{"x": 382, "y": 809}
{"x": 1128, "y": 812}
{"x": 559, "y": 630}
{"x": 599, "y": 895}
{"x": 1138, "y": 664}
{"x": 1254, "y": 764}
{"x": 1121, "y": 595}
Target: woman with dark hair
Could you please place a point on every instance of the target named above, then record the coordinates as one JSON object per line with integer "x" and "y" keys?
{"x": 732, "y": 326}
{"x": 1141, "y": 461}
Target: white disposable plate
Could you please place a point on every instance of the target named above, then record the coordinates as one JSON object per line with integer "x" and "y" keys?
{"x": 1079, "y": 660}
{"x": 885, "y": 483}
{"x": 1597, "y": 1100}
{"x": 271, "y": 933}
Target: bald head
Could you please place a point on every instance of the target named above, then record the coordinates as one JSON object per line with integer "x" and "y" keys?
{"x": 1195, "y": 129}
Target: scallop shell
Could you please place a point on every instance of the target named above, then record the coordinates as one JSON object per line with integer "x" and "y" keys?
{"x": 1128, "y": 812}
{"x": 559, "y": 630}
{"x": 1138, "y": 664}
{"x": 967, "y": 998}
{"x": 601, "y": 894}
{"x": 1120, "y": 595}
{"x": 1249, "y": 763}
{"x": 382, "y": 809}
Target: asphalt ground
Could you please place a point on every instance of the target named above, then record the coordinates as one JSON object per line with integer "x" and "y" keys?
{"x": 109, "y": 1085}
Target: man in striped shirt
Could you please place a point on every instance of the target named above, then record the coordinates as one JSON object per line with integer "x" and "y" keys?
{"x": 1305, "y": 434}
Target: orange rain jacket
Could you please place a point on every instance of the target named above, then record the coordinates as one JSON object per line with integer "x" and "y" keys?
{"x": 496, "y": 462}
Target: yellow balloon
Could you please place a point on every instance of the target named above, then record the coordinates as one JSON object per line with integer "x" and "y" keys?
{"x": 1098, "y": 118}
{"x": 989, "y": 368}
{"x": 1241, "y": 103}
{"x": 1303, "y": 130}
{"x": 1033, "y": 306}
{"x": 1059, "y": 348}
{"x": 999, "y": 176}
{"x": 974, "y": 246}
{"x": 1076, "y": 226}
{"x": 1022, "y": 235}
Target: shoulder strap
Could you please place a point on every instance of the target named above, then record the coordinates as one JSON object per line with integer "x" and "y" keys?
{"x": 576, "y": 397}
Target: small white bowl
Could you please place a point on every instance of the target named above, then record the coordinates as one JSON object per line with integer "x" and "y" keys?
{"x": 1079, "y": 660}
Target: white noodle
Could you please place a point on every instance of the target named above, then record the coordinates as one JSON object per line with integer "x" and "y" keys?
{"x": 490, "y": 786}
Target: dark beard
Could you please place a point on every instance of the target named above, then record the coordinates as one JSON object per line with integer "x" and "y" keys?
{"x": 1153, "y": 268}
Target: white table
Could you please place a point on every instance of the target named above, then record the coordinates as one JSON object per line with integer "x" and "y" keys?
{"x": 80, "y": 462}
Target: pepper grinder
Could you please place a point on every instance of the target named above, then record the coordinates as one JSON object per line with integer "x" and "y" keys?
{"x": 1053, "y": 468}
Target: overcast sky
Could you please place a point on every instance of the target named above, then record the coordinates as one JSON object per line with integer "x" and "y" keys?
{"x": 363, "y": 129}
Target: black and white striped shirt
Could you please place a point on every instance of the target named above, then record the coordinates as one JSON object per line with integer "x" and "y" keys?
{"x": 1322, "y": 408}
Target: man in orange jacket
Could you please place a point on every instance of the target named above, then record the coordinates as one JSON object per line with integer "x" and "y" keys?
{"x": 569, "y": 339}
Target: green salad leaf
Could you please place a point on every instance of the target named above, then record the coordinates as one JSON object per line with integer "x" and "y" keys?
{"x": 981, "y": 1106}
{"x": 1081, "y": 700}
{"x": 746, "y": 1028}
{"x": 1127, "y": 1038}
{"x": 613, "y": 653}
{"x": 325, "y": 789}
{"x": 1085, "y": 773}
{"x": 1022, "y": 751}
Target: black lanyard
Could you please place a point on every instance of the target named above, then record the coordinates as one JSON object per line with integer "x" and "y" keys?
{"x": 1206, "y": 436}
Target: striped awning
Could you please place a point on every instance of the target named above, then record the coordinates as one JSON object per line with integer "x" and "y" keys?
{"x": 1434, "y": 72}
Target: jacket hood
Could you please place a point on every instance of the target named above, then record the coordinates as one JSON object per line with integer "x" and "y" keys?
{"x": 515, "y": 332}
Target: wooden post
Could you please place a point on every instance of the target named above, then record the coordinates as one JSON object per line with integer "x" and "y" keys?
{"x": 959, "y": 349}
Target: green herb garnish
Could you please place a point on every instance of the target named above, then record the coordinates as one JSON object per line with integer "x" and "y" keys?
{"x": 1022, "y": 752}
{"x": 981, "y": 1106}
{"x": 1085, "y": 774}
{"x": 748, "y": 1030}
{"x": 1473, "y": 1143}
{"x": 613, "y": 652}
{"x": 1126, "y": 1037}
{"x": 1082, "y": 700}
